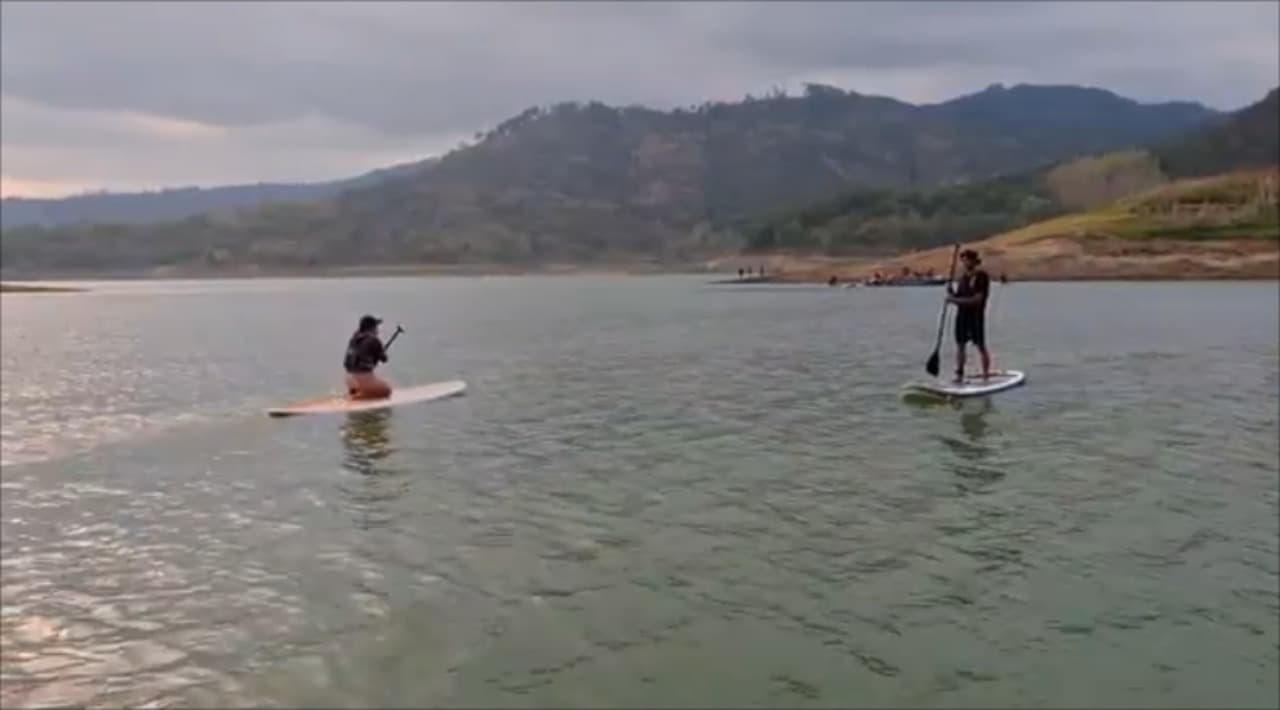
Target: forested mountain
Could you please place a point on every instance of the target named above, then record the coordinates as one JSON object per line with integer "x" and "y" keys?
{"x": 174, "y": 203}
{"x": 590, "y": 182}
{"x": 1250, "y": 139}
{"x": 878, "y": 221}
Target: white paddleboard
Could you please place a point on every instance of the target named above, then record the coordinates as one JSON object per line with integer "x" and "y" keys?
{"x": 343, "y": 404}
{"x": 973, "y": 385}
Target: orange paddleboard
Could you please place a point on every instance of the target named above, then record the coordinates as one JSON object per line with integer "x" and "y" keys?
{"x": 342, "y": 405}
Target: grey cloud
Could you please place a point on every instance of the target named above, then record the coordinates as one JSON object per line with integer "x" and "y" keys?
{"x": 137, "y": 152}
{"x": 404, "y": 68}
{"x": 434, "y": 66}
{"x": 417, "y": 74}
{"x": 1042, "y": 41}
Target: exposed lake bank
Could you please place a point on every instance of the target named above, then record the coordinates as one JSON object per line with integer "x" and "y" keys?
{"x": 1057, "y": 259}
{"x": 1060, "y": 258}
{"x": 33, "y": 288}
{"x": 355, "y": 271}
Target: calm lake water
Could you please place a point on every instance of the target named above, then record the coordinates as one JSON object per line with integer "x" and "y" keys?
{"x": 655, "y": 493}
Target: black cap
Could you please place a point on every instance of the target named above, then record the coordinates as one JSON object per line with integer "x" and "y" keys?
{"x": 369, "y": 322}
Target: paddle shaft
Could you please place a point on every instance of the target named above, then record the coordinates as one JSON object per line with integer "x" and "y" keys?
{"x": 392, "y": 339}
{"x": 951, "y": 277}
{"x": 942, "y": 317}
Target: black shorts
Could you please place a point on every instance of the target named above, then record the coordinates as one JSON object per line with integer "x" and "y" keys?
{"x": 971, "y": 328}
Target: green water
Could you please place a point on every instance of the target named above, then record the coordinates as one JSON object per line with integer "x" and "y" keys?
{"x": 655, "y": 493}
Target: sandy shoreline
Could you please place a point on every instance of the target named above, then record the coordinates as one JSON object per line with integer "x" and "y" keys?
{"x": 365, "y": 271}
{"x": 1093, "y": 258}
{"x": 33, "y": 288}
{"x": 1058, "y": 259}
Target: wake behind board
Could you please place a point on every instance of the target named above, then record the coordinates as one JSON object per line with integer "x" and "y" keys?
{"x": 344, "y": 405}
{"x": 972, "y": 386}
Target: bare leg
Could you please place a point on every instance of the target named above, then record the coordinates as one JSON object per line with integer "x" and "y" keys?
{"x": 960, "y": 362}
{"x": 366, "y": 385}
{"x": 378, "y": 388}
{"x": 986, "y": 361}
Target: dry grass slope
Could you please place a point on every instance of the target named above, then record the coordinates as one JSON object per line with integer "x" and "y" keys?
{"x": 1239, "y": 205}
{"x": 1221, "y": 227}
{"x": 1090, "y": 182}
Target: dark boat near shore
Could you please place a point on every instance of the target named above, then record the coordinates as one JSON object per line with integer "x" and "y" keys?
{"x": 747, "y": 280}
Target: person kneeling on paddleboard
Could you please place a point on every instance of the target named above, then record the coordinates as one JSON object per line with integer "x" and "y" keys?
{"x": 970, "y": 298}
{"x": 364, "y": 352}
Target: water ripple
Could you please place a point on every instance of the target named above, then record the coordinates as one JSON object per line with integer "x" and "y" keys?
{"x": 653, "y": 495}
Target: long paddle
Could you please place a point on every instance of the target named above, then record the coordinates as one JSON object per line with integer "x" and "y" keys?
{"x": 931, "y": 366}
{"x": 392, "y": 339}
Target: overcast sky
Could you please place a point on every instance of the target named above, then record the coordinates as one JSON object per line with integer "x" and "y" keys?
{"x": 138, "y": 96}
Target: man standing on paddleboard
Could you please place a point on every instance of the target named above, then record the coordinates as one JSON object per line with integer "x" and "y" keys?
{"x": 364, "y": 352}
{"x": 969, "y": 295}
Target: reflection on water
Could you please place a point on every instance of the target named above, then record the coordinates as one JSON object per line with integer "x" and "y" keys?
{"x": 972, "y": 452}
{"x": 368, "y": 453}
{"x": 366, "y": 441}
{"x": 658, "y": 495}
{"x": 974, "y": 418}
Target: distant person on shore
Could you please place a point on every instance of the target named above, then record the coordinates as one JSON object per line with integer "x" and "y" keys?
{"x": 740, "y": 273}
{"x": 364, "y": 353}
{"x": 969, "y": 295}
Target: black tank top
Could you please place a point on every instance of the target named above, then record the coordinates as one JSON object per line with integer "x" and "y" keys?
{"x": 360, "y": 355}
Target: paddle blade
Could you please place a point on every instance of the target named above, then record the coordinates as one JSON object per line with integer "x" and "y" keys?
{"x": 932, "y": 365}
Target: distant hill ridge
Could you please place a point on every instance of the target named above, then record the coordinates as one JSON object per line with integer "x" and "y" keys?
{"x": 174, "y": 203}
{"x": 588, "y": 182}
{"x": 1219, "y": 226}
